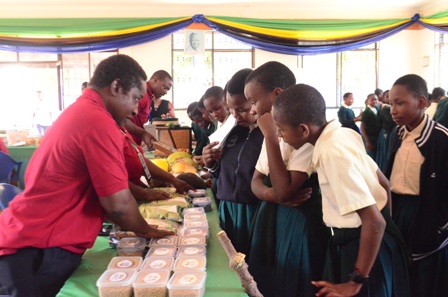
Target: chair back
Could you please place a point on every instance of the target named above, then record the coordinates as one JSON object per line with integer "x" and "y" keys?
{"x": 7, "y": 193}
{"x": 7, "y": 164}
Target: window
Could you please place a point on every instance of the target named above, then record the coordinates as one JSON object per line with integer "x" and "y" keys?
{"x": 441, "y": 60}
{"x": 335, "y": 74}
{"x": 194, "y": 74}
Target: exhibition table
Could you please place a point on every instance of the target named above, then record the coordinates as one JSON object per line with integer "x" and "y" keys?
{"x": 221, "y": 280}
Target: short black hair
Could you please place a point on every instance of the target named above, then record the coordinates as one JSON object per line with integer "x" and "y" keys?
{"x": 378, "y": 92}
{"x": 346, "y": 95}
{"x": 121, "y": 67}
{"x": 301, "y": 104}
{"x": 192, "y": 106}
{"x": 438, "y": 92}
{"x": 215, "y": 92}
{"x": 84, "y": 85}
{"x": 235, "y": 86}
{"x": 272, "y": 75}
{"x": 414, "y": 84}
{"x": 201, "y": 103}
{"x": 161, "y": 75}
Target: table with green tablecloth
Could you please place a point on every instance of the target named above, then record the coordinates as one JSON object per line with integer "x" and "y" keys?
{"x": 221, "y": 280}
{"x": 23, "y": 154}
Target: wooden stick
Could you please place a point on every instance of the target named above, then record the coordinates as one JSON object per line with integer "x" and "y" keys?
{"x": 239, "y": 265}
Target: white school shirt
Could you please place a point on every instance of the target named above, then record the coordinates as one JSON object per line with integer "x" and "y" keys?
{"x": 405, "y": 175}
{"x": 347, "y": 176}
{"x": 294, "y": 160}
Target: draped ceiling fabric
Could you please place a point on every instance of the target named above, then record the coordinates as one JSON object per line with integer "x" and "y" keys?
{"x": 294, "y": 37}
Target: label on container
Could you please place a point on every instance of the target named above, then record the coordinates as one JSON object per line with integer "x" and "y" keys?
{"x": 202, "y": 200}
{"x": 158, "y": 264}
{"x": 195, "y": 216}
{"x": 131, "y": 242}
{"x": 125, "y": 264}
{"x": 188, "y": 279}
{"x": 161, "y": 251}
{"x": 191, "y": 251}
{"x": 193, "y": 240}
{"x": 163, "y": 241}
{"x": 196, "y": 232}
{"x": 152, "y": 278}
{"x": 190, "y": 263}
{"x": 196, "y": 223}
{"x": 117, "y": 277}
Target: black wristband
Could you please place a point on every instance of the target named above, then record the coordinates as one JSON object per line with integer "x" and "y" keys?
{"x": 357, "y": 277}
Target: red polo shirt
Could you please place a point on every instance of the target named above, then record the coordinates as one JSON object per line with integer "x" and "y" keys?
{"x": 141, "y": 117}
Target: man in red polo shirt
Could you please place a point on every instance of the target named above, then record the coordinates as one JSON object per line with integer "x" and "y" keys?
{"x": 75, "y": 178}
{"x": 157, "y": 86}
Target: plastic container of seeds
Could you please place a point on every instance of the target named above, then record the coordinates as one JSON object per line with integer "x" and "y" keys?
{"x": 193, "y": 210}
{"x": 204, "y": 202}
{"x": 156, "y": 263}
{"x": 117, "y": 283}
{"x": 192, "y": 240}
{"x": 195, "y": 216}
{"x": 166, "y": 241}
{"x": 161, "y": 251}
{"x": 195, "y": 224}
{"x": 131, "y": 246}
{"x": 190, "y": 263}
{"x": 194, "y": 250}
{"x": 197, "y": 193}
{"x": 125, "y": 263}
{"x": 198, "y": 231}
{"x": 151, "y": 283}
{"x": 187, "y": 283}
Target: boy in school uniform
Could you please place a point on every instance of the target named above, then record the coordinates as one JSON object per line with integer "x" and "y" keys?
{"x": 346, "y": 115}
{"x": 362, "y": 259}
{"x": 418, "y": 170}
{"x": 288, "y": 238}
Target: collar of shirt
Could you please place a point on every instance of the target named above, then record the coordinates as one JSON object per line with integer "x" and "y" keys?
{"x": 346, "y": 106}
{"x": 373, "y": 109}
{"x": 414, "y": 134}
{"x": 329, "y": 128}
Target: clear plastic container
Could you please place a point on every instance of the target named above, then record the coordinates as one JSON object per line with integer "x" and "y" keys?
{"x": 195, "y": 216}
{"x": 193, "y": 210}
{"x": 192, "y": 240}
{"x": 193, "y": 250}
{"x": 197, "y": 193}
{"x": 125, "y": 263}
{"x": 156, "y": 263}
{"x": 131, "y": 246}
{"x": 116, "y": 283}
{"x": 204, "y": 202}
{"x": 166, "y": 241}
{"x": 199, "y": 231}
{"x": 190, "y": 263}
{"x": 162, "y": 251}
{"x": 195, "y": 224}
{"x": 151, "y": 283}
{"x": 187, "y": 283}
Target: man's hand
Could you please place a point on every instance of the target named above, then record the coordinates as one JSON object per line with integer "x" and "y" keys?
{"x": 181, "y": 186}
{"x": 267, "y": 125}
{"x": 155, "y": 233}
{"x": 148, "y": 138}
{"x": 154, "y": 195}
{"x": 329, "y": 289}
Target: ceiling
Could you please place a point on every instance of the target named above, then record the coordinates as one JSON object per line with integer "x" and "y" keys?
{"x": 268, "y": 9}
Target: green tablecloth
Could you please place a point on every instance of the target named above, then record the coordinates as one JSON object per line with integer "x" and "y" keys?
{"x": 221, "y": 280}
{"x": 22, "y": 153}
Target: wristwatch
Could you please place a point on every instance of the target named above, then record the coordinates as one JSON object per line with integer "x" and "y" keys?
{"x": 357, "y": 277}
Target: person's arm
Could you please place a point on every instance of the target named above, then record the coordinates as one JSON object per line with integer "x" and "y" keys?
{"x": 145, "y": 194}
{"x": 160, "y": 174}
{"x": 369, "y": 144}
{"x": 147, "y": 137}
{"x": 343, "y": 117}
{"x": 121, "y": 209}
{"x": 285, "y": 183}
{"x": 384, "y": 182}
{"x": 171, "y": 110}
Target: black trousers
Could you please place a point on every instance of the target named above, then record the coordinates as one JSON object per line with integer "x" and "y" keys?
{"x": 33, "y": 272}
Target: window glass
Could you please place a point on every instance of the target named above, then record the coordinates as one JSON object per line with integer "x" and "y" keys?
{"x": 6, "y": 56}
{"x": 75, "y": 69}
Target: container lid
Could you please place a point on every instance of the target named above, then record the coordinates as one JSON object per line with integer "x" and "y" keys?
{"x": 193, "y": 210}
{"x": 152, "y": 278}
{"x": 192, "y": 240}
{"x": 197, "y": 193}
{"x": 193, "y": 250}
{"x": 162, "y": 251}
{"x": 189, "y": 280}
{"x": 195, "y": 216}
{"x": 156, "y": 263}
{"x": 192, "y": 262}
{"x": 117, "y": 278}
{"x": 199, "y": 231}
{"x": 195, "y": 224}
{"x": 202, "y": 201}
{"x": 165, "y": 241}
{"x": 132, "y": 243}
{"x": 125, "y": 263}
